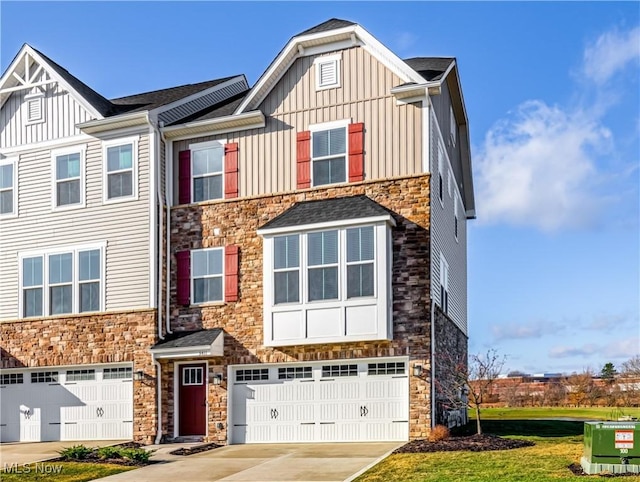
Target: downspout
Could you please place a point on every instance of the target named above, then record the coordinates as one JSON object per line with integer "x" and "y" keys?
{"x": 168, "y": 181}
{"x": 158, "y": 398}
{"x": 156, "y": 147}
{"x": 433, "y": 362}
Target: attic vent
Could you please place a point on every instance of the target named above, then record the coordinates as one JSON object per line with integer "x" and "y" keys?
{"x": 35, "y": 108}
{"x": 327, "y": 72}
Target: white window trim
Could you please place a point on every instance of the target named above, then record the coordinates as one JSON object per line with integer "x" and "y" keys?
{"x": 14, "y": 186}
{"x": 134, "y": 165}
{"x": 193, "y": 278}
{"x": 176, "y": 390}
{"x": 54, "y": 177}
{"x": 38, "y": 96}
{"x": 201, "y": 146}
{"x": 453, "y": 127}
{"x": 444, "y": 282}
{"x": 336, "y": 59}
{"x": 381, "y": 298}
{"x": 456, "y": 218}
{"x": 45, "y": 254}
{"x": 440, "y": 177}
{"x": 313, "y": 128}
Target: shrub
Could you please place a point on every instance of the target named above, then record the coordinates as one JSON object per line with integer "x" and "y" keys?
{"x": 110, "y": 452}
{"x": 77, "y": 452}
{"x": 439, "y": 432}
{"x": 137, "y": 455}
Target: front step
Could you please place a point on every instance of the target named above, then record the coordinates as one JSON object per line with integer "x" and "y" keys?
{"x": 187, "y": 439}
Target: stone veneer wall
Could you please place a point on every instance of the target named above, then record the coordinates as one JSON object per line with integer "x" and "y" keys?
{"x": 90, "y": 339}
{"x": 451, "y": 356}
{"x": 192, "y": 227}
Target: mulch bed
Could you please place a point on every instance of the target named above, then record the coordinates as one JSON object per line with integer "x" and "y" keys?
{"x": 94, "y": 459}
{"x": 470, "y": 443}
{"x": 195, "y": 450}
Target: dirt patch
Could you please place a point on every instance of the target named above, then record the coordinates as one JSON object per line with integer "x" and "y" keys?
{"x": 469, "y": 443}
{"x": 578, "y": 470}
{"x": 195, "y": 450}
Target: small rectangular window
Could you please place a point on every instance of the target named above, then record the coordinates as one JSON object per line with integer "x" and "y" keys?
{"x": 254, "y": 374}
{"x": 390, "y": 368}
{"x": 286, "y": 269}
{"x": 329, "y": 156}
{"x": 192, "y": 376}
{"x": 120, "y": 171}
{"x": 455, "y": 217}
{"x": 32, "y": 286}
{"x": 7, "y": 188}
{"x": 330, "y": 371}
{"x": 360, "y": 262}
{"x": 117, "y": 373}
{"x": 80, "y": 375}
{"x": 207, "y": 173}
{"x": 289, "y": 373}
{"x": 44, "y": 377}
{"x": 444, "y": 285}
{"x": 11, "y": 379}
{"x": 89, "y": 280}
{"x": 323, "y": 265}
{"x": 453, "y": 126}
{"x": 60, "y": 283}
{"x": 207, "y": 275}
{"x": 68, "y": 189}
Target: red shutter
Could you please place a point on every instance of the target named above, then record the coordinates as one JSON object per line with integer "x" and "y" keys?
{"x": 183, "y": 261}
{"x": 231, "y": 261}
{"x": 356, "y": 152}
{"x": 304, "y": 159}
{"x": 184, "y": 177}
{"x": 231, "y": 170}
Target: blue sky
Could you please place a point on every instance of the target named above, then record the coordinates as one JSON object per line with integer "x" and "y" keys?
{"x": 553, "y": 101}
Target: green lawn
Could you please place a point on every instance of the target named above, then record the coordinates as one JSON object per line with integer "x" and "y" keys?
{"x": 558, "y": 444}
{"x": 60, "y": 472}
{"x": 598, "y": 413}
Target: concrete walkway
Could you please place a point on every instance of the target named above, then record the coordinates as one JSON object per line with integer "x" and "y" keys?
{"x": 261, "y": 463}
{"x": 29, "y": 452}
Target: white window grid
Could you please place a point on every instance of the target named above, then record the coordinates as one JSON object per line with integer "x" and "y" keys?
{"x": 203, "y": 146}
{"x": 289, "y": 373}
{"x": 330, "y": 371}
{"x": 11, "y": 379}
{"x": 328, "y": 126}
{"x": 133, "y": 141}
{"x": 364, "y": 261}
{"x": 252, "y": 374}
{"x": 288, "y": 269}
{"x": 80, "y": 375}
{"x": 207, "y": 276}
{"x": 44, "y": 377}
{"x": 80, "y": 178}
{"x": 322, "y": 265}
{"x": 46, "y": 285}
{"x": 192, "y": 376}
{"x": 389, "y": 368}
{"x": 12, "y": 188}
{"x": 117, "y": 373}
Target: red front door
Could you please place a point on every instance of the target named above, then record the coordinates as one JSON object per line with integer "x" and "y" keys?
{"x": 192, "y": 399}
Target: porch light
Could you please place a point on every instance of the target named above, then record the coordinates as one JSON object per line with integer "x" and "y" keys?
{"x": 217, "y": 379}
{"x": 138, "y": 375}
{"x": 417, "y": 370}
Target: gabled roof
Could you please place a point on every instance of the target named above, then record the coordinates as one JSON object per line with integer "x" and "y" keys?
{"x": 430, "y": 68}
{"x": 225, "y": 108}
{"x": 331, "y": 24}
{"x": 328, "y": 211}
{"x": 184, "y": 339}
{"x": 190, "y": 344}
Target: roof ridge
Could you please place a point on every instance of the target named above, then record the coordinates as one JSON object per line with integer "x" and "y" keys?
{"x": 221, "y": 79}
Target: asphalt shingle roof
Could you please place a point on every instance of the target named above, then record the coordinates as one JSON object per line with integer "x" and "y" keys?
{"x": 327, "y": 210}
{"x": 221, "y": 109}
{"x": 430, "y": 68}
{"x": 331, "y": 24}
{"x": 190, "y": 338}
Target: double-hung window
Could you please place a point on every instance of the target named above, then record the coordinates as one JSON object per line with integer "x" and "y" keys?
{"x": 440, "y": 171}
{"x": 444, "y": 284}
{"x": 207, "y": 275}
{"x": 68, "y": 178}
{"x": 62, "y": 281}
{"x": 7, "y": 187}
{"x": 323, "y": 265}
{"x": 120, "y": 170}
{"x": 208, "y": 171}
{"x": 286, "y": 268}
{"x": 329, "y": 154}
{"x": 360, "y": 262}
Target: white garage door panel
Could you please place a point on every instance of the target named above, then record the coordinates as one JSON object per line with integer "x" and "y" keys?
{"x": 75, "y": 410}
{"x": 358, "y": 407}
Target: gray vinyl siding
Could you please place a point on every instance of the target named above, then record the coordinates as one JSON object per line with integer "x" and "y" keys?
{"x": 392, "y": 138}
{"x": 61, "y": 113}
{"x": 443, "y": 238}
{"x": 123, "y": 226}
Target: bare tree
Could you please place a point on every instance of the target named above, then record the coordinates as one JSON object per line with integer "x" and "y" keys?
{"x": 583, "y": 389}
{"x": 631, "y": 368}
{"x": 483, "y": 370}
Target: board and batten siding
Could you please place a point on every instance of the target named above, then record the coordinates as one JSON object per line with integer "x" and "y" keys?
{"x": 392, "y": 138}
{"x": 442, "y": 235}
{"x": 124, "y": 226}
{"x": 62, "y": 113}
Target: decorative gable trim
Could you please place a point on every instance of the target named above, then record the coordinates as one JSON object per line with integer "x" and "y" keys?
{"x": 305, "y": 45}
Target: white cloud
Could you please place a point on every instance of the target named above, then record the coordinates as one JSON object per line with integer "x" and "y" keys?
{"x": 620, "y": 349}
{"x": 571, "y": 351}
{"x": 539, "y": 168}
{"x": 405, "y": 40}
{"x": 610, "y": 53}
{"x": 547, "y": 166}
{"x": 520, "y": 331}
{"x": 623, "y": 349}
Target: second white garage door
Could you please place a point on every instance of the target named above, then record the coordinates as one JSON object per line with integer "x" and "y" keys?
{"x": 346, "y": 401}
{"x": 75, "y": 403}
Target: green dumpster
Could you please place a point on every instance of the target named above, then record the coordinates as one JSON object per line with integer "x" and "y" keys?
{"x": 611, "y": 447}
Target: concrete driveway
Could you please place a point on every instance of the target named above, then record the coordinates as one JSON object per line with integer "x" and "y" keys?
{"x": 29, "y": 452}
{"x": 263, "y": 462}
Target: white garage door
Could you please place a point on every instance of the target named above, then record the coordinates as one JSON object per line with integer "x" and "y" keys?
{"x": 345, "y": 401}
{"x": 59, "y": 403}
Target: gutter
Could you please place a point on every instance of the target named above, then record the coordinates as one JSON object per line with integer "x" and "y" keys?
{"x": 158, "y": 398}
{"x": 230, "y": 123}
{"x": 168, "y": 181}
{"x": 116, "y": 122}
